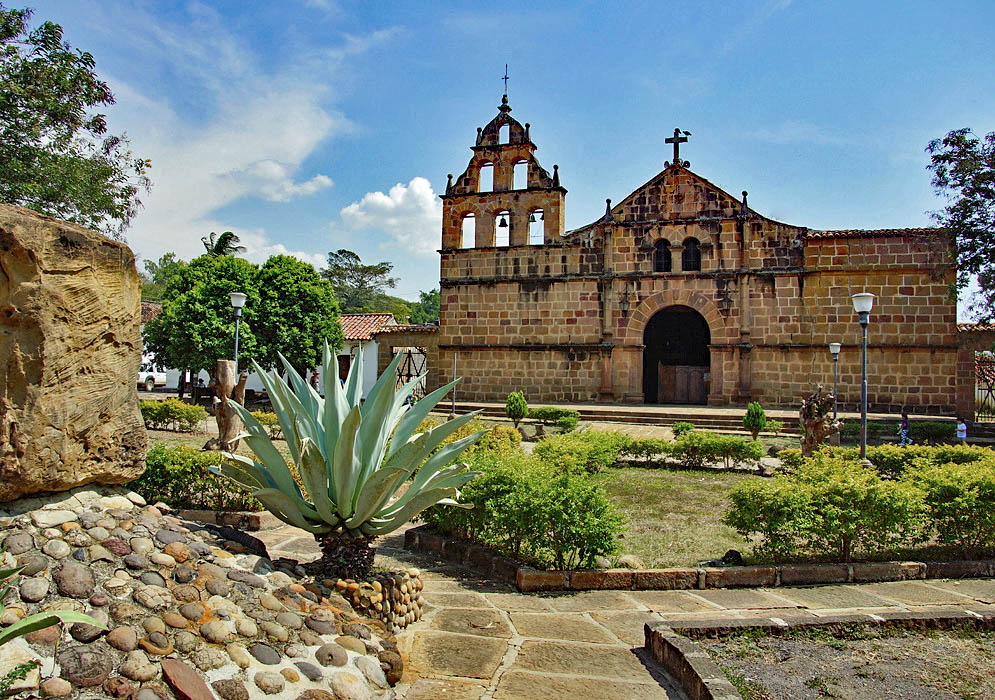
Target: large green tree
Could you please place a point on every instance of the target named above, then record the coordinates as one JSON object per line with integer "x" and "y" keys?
{"x": 297, "y": 313}
{"x": 158, "y": 274}
{"x": 56, "y": 155}
{"x": 963, "y": 167}
{"x": 359, "y": 288}
{"x": 196, "y": 327}
{"x": 427, "y": 308}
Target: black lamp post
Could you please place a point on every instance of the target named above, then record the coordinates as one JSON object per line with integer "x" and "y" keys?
{"x": 862, "y": 303}
{"x": 237, "y": 302}
{"x": 835, "y": 348}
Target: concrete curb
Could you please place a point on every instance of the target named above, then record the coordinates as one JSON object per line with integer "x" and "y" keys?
{"x": 528, "y": 579}
{"x": 673, "y": 646}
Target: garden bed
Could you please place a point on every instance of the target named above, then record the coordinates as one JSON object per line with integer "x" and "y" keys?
{"x": 528, "y": 579}
{"x": 858, "y": 662}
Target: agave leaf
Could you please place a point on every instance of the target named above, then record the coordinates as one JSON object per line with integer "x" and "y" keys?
{"x": 46, "y": 619}
{"x": 434, "y": 438}
{"x": 284, "y": 414}
{"x": 9, "y": 572}
{"x": 284, "y": 507}
{"x": 335, "y": 409}
{"x": 345, "y": 471}
{"x": 413, "y": 418}
{"x": 453, "y": 476}
{"x": 383, "y": 482}
{"x": 413, "y": 507}
{"x": 262, "y": 446}
{"x": 354, "y": 380}
{"x": 380, "y": 414}
{"x": 250, "y": 479}
{"x": 314, "y": 474}
{"x": 438, "y": 461}
{"x": 385, "y": 383}
{"x": 303, "y": 424}
{"x": 306, "y": 394}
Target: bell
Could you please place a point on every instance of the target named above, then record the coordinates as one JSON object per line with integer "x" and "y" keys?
{"x": 503, "y": 223}
{"x": 532, "y": 218}
{"x": 540, "y": 217}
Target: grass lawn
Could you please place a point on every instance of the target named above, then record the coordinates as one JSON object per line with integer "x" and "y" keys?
{"x": 675, "y": 516}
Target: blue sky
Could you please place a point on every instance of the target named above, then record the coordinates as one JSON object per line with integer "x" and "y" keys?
{"x": 312, "y": 125}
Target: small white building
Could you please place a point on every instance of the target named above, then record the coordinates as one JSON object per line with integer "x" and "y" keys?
{"x": 359, "y": 331}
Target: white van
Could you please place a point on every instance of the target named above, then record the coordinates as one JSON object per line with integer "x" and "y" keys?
{"x": 150, "y": 376}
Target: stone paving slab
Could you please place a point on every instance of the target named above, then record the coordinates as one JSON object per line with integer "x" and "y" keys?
{"x": 743, "y": 599}
{"x": 450, "y": 688}
{"x": 456, "y": 600}
{"x": 518, "y": 685}
{"x": 585, "y": 601}
{"x": 979, "y": 589}
{"x": 671, "y": 601}
{"x": 626, "y": 625}
{"x": 833, "y": 597}
{"x": 579, "y": 659}
{"x": 574, "y": 627}
{"x": 915, "y": 593}
{"x": 446, "y": 654}
{"x": 482, "y": 623}
{"x": 517, "y": 601}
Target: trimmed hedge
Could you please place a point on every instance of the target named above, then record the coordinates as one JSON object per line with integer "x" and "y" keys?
{"x": 172, "y": 414}
{"x": 566, "y": 419}
{"x": 179, "y": 477}
{"x": 590, "y": 451}
{"x": 682, "y": 427}
{"x": 522, "y": 508}
{"x": 832, "y": 506}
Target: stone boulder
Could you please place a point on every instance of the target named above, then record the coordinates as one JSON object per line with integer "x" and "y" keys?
{"x": 70, "y": 351}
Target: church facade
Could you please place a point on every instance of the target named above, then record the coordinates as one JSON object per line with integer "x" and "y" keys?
{"x": 680, "y": 293}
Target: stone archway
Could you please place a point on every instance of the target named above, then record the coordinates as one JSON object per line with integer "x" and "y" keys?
{"x": 676, "y": 358}
{"x": 628, "y": 355}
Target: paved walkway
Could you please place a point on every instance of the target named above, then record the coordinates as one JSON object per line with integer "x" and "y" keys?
{"x": 482, "y": 639}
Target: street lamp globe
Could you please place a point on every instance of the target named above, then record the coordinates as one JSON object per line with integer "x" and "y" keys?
{"x": 835, "y": 348}
{"x": 237, "y": 302}
{"x": 862, "y": 302}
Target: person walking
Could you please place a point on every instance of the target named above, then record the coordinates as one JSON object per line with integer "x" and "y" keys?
{"x": 903, "y": 430}
{"x": 961, "y": 431}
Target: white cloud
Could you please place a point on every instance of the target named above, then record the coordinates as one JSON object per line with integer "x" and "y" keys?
{"x": 238, "y": 127}
{"x": 410, "y": 214}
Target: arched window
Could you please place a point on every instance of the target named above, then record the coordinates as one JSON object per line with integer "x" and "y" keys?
{"x": 537, "y": 234}
{"x": 469, "y": 231}
{"x": 502, "y": 229}
{"x": 504, "y": 134}
{"x": 486, "y": 181}
{"x": 661, "y": 257}
{"x": 521, "y": 176}
{"x": 691, "y": 257}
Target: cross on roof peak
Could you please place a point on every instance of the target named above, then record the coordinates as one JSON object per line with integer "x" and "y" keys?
{"x": 505, "y": 79}
{"x": 677, "y": 140}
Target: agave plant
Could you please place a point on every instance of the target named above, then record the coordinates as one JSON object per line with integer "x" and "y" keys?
{"x": 352, "y": 458}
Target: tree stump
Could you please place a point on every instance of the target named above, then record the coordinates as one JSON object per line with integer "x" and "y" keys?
{"x": 226, "y": 391}
{"x": 816, "y": 421}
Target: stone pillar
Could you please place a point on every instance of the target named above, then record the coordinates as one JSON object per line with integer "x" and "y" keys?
{"x": 966, "y": 382}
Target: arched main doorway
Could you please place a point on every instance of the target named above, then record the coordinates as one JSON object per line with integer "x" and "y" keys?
{"x": 676, "y": 357}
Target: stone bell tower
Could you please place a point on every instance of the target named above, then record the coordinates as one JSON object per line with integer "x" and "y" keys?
{"x": 515, "y": 203}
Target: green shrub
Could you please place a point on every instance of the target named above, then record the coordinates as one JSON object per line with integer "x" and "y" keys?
{"x": 692, "y": 449}
{"x": 853, "y": 509}
{"x": 932, "y": 431}
{"x": 647, "y": 448}
{"x": 775, "y": 426}
{"x": 734, "y": 450}
{"x": 523, "y": 509}
{"x": 791, "y": 458}
{"x": 755, "y": 419}
{"x": 960, "y": 503}
{"x": 172, "y": 414}
{"x": 516, "y": 408}
{"x": 501, "y": 438}
{"x": 771, "y": 513}
{"x": 682, "y": 427}
{"x": 565, "y": 418}
{"x": 179, "y": 477}
{"x": 268, "y": 421}
{"x": 590, "y": 451}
